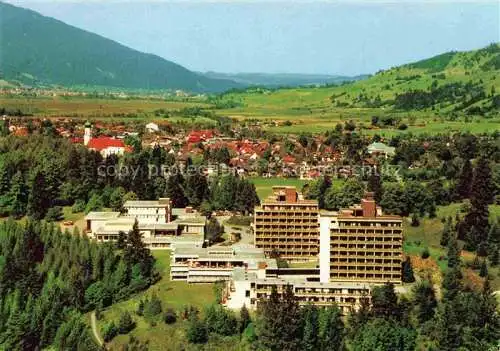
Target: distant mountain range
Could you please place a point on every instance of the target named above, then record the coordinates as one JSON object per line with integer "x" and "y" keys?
{"x": 38, "y": 50}
{"x": 41, "y": 50}
{"x": 283, "y": 79}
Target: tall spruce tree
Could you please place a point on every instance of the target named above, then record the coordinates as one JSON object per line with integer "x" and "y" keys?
{"x": 474, "y": 227}
{"x": 463, "y": 187}
{"x": 38, "y": 200}
{"x": 425, "y": 301}
{"x": 310, "y": 327}
{"x": 375, "y": 185}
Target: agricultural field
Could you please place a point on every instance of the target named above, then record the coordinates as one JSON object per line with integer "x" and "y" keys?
{"x": 80, "y": 107}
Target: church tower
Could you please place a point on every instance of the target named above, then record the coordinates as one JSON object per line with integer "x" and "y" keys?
{"x": 88, "y": 133}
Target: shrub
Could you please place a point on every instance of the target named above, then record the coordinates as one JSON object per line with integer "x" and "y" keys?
{"x": 109, "y": 331}
{"x": 152, "y": 307}
{"x": 197, "y": 332}
{"x": 126, "y": 323}
{"x": 425, "y": 254}
{"x": 54, "y": 214}
{"x": 78, "y": 206}
{"x": 402, "y": 126}
{"x": 415, "y": 221}
{"x": 170, "y": 317}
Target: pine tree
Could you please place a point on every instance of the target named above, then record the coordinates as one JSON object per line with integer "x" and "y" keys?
{"x": 447, "y": 232}
{"x": 331, "y": 329}
{"x": 175, "y": 190}
{"x": 452, "y": 282}
{"x": 483, "y": 272}
{"x": 196, "y": 189}
{"x": 448, "y": 334}
{"x": 408, "y": 276}
{"x": 453, "y": 252}
{"x": 425, "y": 301}
{"x": 494, "y": 243}
{"x": 463, "y": 187}
{"x": 310, "y": 328}
{"x": 375, "y": 185}
{"x": 474, "y": 228}
{"x": 245, "y": 319}
{"x": 279, "y": 326}
{"x": 385, "y": 301}
{"x": 38, "y": 199}
{"x": 17, "y": 196}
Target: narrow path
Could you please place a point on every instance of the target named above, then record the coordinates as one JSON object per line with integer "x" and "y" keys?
{"x": 93, "y": 323}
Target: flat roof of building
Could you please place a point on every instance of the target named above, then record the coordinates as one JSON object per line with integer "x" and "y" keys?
{"x": 146, "y": 203}
{"x": 100, "y": 215}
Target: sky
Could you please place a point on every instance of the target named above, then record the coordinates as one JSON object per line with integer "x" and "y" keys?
{"x": 304, "y": 36}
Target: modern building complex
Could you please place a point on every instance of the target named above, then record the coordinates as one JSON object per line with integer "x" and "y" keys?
{"x": 209, "y": 265}
{"x": 248, "y": 288}
{"x": 161, "y": 226}
{"x": 360, "y": 244}
{"x": 287, "y": 225}
{"x": 359, "y": 247}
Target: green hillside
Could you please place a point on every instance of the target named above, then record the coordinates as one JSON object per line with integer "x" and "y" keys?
{"x": 41, "y": 50}
{"x": 452, "y": 88}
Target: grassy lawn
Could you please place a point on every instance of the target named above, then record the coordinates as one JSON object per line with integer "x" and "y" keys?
{"x": 264, "y": 185}
{"x": 173, "y": 294}
{"x": 428, "y": 234}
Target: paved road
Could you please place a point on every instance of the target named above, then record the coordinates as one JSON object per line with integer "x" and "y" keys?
{"x": 94, "y": 328}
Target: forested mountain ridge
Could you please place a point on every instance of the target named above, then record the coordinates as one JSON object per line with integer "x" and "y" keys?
{"x": 466, "y": 81}
{"x": 42, "y": 50}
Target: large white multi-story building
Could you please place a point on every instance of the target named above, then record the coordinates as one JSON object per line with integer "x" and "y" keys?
{"x": 161, "y": 226}
{"x": 359, "y": 247}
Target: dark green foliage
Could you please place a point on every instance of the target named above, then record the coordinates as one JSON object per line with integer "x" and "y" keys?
{"x": 448, "y": 232}
{"x": 350, "y": 193}
{"x": 109, "y": 331}
{"x": 81, "y": 62}
{"x": 279, "y": 321}
{"x": 425, "y": 301}
{"x": 385, "y": 301}
{"x": 245, "y": 319}
{"x": 78, "y": 206}
{"x": 125, "y": 323}
{"x": 54, "y": 214}
{"x": 483, "y": 272}
{"x": 170, "y": 317}
{"x": 415, "y": 221}
{"x": 38, "y": 199}
{"x": 213, "y": 230}
{"x": 151, "y": 308}
{"x": 436, "y": 63}
{"x": 197, "y": 332}
{"x": 452, "y": 282}
{"x": 331, "y": 329}
{"x": 425, "y": 253}
{"x": 407, "y": 269}
{"x": 382, "y": 334}
{"x": 453, "y": 252}
{"x": 475, "y": 226}
{"x": 310, "y": 328}
{"x": 221, "y": 321}
{"x": 375, "y": 185}
{"x": 48, "y": 279}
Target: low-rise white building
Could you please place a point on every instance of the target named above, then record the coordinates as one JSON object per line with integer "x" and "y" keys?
{"x": 161, "y": 226}
{"x": 208, "y": 265}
